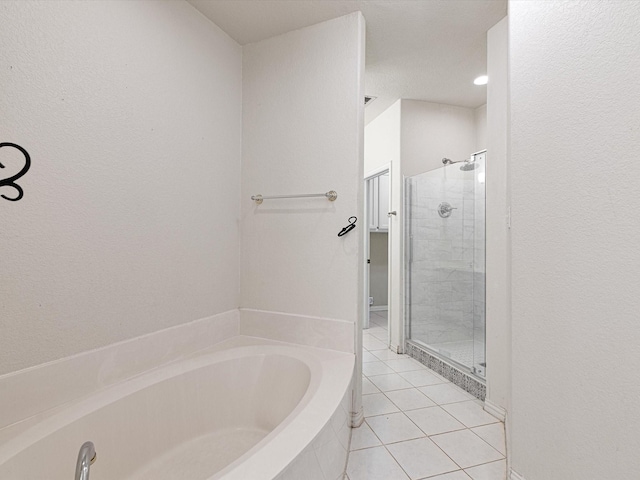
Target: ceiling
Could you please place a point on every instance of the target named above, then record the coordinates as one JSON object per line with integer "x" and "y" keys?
{"x": 427, "y": 50}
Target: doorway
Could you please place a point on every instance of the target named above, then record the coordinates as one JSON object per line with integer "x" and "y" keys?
{"x": 377, "y": 248}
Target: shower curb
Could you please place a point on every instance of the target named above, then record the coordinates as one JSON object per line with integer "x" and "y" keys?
{"x": 454, "y": 375}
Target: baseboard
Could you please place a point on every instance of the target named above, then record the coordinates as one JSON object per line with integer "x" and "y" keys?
{"x": 513, "y": 475}
{"x": 379, "y": 308}
{"x": 495, "y": 410}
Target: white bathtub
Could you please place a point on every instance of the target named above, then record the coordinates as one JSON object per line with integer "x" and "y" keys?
{"x": 249, "y": 409}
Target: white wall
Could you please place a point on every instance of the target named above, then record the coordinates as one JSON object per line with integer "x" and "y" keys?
{"x": 574, "y": 69}
{"x": 302, "y": 105}
{"x": 382, "y": 139}
{"x": 431, "y": 131}
{"x": 498, "y": 308}
{"x": 480, "y": 121}
{"x": 129, "y": 218}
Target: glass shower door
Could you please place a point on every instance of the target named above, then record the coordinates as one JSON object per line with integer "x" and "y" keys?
{"x": 444, "y": 284}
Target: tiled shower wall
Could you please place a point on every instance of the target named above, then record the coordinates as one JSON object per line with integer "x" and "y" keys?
{"x": 446, "y": 271}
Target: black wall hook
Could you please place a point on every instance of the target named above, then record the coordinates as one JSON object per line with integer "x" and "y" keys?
{"x": 10, "y": 182}
{"x": 348, "y": 228}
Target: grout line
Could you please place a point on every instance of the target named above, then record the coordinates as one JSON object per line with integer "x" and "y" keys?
{"x": 385, "y": 447}
{"x": 503, "y": 456}
{"x": 485, "y": 463}
{"x": 425, "y": 434}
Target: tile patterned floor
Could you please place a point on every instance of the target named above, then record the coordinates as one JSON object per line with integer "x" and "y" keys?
{"x": 417, "y": 424}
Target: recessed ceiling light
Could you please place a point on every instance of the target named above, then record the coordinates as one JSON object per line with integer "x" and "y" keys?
{"x": 481, "y": 80}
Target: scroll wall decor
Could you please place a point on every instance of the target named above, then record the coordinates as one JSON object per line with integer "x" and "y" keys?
{"x": 11, "y": 181}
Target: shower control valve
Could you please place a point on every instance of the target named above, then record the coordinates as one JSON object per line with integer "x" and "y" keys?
{"x": 445, "y": 209}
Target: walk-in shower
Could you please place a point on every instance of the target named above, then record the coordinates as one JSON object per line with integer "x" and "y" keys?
{"x": 445, "y": 262}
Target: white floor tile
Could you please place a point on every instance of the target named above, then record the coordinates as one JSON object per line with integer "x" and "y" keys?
{"x": 458, "y": 475}
{"x": 378, "y": 331}
{"x": 363, "y": 437}
{"x": 369, "y": 357}
{"x": 377, "y": 404}
{"x": 445, "y": 393}
{"x": 371, "y": 343}
{"x": 466, "y": 448}
{"x": 374, "y": 464}
{"x": 473, "y": 440}
{"x": 434, "y": 420}
{"x": 422, "y": 378}
{"x": 439, "y": 376}
{"x": 388, "y": 355}
{"x": 395, "y": 427}
{"x": 489, "y": 471}
{"x": 382, "y": 336}
{"x": 405, "y": 365}
{"x": 375, "y": 368}
{"x": 492, "y": 434}
{"x": 368, "y": 387}
{"x": 470, "y": 413}
{"x": 377, "y": 321}
{"x": 409, "y": 399}
{"x": 421, "y": 458}
{"x": 391, "y": 381}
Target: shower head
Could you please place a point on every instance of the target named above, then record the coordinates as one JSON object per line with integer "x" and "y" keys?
{"x": 468, "y": 166}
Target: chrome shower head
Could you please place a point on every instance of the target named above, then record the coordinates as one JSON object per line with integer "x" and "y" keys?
{"x": 468, "y": 166}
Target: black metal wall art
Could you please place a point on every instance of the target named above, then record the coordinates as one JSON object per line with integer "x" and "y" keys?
{"x": 11, "y": 181}
{"x": 348, "y": 228}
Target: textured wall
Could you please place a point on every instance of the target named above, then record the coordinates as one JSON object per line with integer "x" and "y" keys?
{"x": 575, "y": 112}
{"x": 131, "y": 112}
{"x": 302, "y": 108}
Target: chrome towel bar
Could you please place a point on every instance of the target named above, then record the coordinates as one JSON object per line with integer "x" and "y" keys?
{"x": 330, "y": 195}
